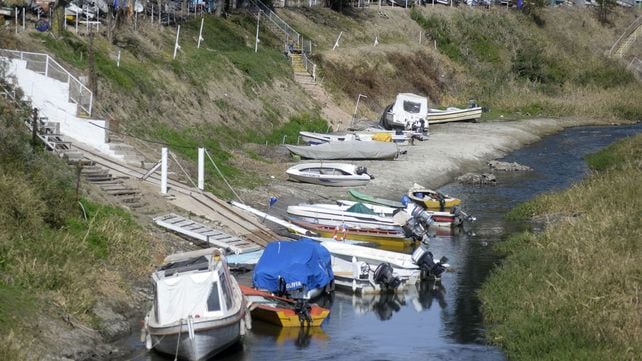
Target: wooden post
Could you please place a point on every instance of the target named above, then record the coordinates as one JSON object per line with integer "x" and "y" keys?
{"x": 34, "y": 129}
{"x": 164, "y": 170}
{"x": 201, "y": 168}
{"x": 78, "y": 174}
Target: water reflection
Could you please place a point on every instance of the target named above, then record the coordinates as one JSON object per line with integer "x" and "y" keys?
{"x": 300, "y": 337}
{"x": 384, "y": 306}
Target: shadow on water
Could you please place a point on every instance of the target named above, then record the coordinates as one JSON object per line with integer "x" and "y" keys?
{"x": 437, "y": 320}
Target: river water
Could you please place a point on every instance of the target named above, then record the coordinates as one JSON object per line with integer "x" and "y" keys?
{"x": 436, "y": 321}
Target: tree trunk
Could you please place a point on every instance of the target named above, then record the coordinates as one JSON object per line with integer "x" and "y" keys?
{"x": 58, "y": 21}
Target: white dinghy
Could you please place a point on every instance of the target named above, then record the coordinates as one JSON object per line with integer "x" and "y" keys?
{"x": 330, "y": 174}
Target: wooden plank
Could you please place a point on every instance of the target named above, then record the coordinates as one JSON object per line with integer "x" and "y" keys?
{"x": 206, "y": 234}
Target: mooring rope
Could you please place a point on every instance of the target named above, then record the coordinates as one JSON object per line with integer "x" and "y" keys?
{"x": 178, "y": 339}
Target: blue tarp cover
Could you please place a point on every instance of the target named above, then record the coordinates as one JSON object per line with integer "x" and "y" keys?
{"x": 303, "y": 263}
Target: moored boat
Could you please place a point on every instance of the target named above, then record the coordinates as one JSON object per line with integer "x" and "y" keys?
{"x": 329, "y": 174}
{"x": 439, "y": 219}
{"x": 349, "y": 149}
{"x": 374, "y": 200}
{"x": 432, "y": 199}
{"x": 392, "y": 239}
{"x": 453, "y": 114}
{"x": 198, "y": 307}
{"x": 335, "y": 217}
{"x": 294, "y": 269}
{"x": 313, "y": 138}
{"x": 370, "y": 270}
{"x": 281, "y": 311}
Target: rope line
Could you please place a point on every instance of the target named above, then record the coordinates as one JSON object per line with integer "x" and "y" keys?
{"x": 222, "y": 176}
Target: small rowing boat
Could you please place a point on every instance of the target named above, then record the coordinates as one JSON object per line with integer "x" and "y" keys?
{"x": 432, "y": 199}
{"x": 329, "y": 174}
{"x": 281, "y": 311}
{"x": 374, "y": 200}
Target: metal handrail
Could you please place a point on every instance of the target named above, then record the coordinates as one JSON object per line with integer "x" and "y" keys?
{"x": 78, "y": 92}
{"x": 290, "y": 34}
{"x": 629, "y": 30}
{"x": 280, "y": 23}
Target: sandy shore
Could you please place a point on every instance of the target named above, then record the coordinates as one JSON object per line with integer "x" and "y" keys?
{"x": 451, "y": 150}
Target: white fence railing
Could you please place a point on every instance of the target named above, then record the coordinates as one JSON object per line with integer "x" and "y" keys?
{"x": 309, "y": 66}
{"x": 290, "y": 35}
{"x": 629, "y": 30}
{"x": 47, "y": 66}
{"x": 636, "y": 67}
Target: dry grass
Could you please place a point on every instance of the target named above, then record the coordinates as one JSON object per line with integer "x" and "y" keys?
{"x": 476, "y": 58}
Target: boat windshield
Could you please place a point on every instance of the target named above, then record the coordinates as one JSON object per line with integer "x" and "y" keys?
{"x": 225, "y": 288}
{"x": 213, "y": 300}
{"x": 411, "y": 107}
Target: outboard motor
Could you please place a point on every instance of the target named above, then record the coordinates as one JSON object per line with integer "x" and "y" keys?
{"x": 363, "y": 170}
{"x": 302, "y": 308}
{"x": 414, "y": 229}
{"x": 383, "y": 276}
{"x": 423, "y": 217}
{"x": 424, "y": 259}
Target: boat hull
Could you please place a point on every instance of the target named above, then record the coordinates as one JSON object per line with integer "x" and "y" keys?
{"x": 280, "y": 311}
{"x": 388, "y": 239}
{"x": 210, "y": 338}
{"x": 329, "y": 181}
{"x": 329, "y": 174}
{"x": 374, "y": 200}
{"x": 436, "y": 116}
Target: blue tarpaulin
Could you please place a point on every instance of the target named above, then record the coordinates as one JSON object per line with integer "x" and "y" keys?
{"x": 301, "y": 264}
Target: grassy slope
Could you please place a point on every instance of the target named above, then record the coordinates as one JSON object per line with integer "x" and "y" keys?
{"x": 572, "y": 291}
{"x": 501, "y": 58}
{"x": 54, "y": 264}
{"x": 219, "y": 96}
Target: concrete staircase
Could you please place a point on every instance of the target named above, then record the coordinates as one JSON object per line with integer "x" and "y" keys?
{"x": 67, "y": 121}
{"x": 337, "y": 117}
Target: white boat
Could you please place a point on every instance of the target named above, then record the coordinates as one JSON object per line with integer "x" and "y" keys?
{"x": 453, "y": 114}
{"x": 370, "y": 270}
{"x": 198, "y": 307}
{"x": 348, "y": 149}
{"x": 313, "y": 138}
{"x": 411, "y": 111}
{"x": 362, "y": 278}
{"x": 329, "y": 174}
{"x": 438, "y": 219}
{"x": 407, "y": 112}
{"x": 331, "y": 217}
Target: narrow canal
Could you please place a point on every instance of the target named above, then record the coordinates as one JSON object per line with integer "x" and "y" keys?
{"x": 436, "y": 321}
